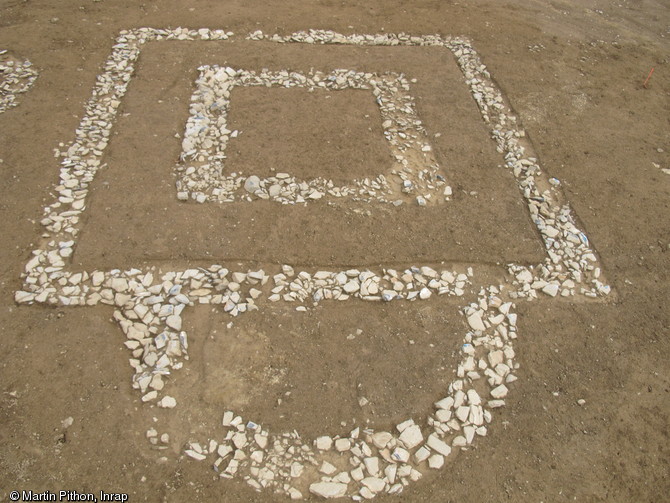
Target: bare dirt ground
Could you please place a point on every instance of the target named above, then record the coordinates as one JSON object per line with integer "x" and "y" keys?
{"x": 572, "y": 70}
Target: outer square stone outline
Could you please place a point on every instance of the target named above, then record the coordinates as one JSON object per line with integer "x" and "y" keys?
{"x": 149, "y": 302}
{"x": 206, "y": 137}
{"x": 567, "y": 246}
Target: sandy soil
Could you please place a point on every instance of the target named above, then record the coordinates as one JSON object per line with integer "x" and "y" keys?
{"x": 573, "y": 71}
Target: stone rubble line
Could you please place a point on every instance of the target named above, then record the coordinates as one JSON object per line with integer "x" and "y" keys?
{"x": 149, "y": 311}
{"x": 16, "y": 77}
{"x": 207, "y": 135}
{"x": 366, "y": 462}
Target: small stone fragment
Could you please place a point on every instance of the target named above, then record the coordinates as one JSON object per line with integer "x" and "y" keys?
{"x": 401, "y": 455}
{"x": 327, "y": 468}
{"x": 436, "y": 461}
{"x": 412, "y": 436}
{"x": 167, "y": 402}
{"x": 551, "y": 289}
{"x": 342, "y": 444}
{"x": 499, "y": 392}
{"x": 328, "y": 489}
{"x": 323, "y": 443}
{"x": 381, "y": 438}
{"x": 228, "y": 418}
{"x": 252, "y": 184}
{"x": 438, "y": 445}
{"x": 174, "y": 321}
{"x": 195, "y": 455}
{"x": 475, "y": 322}
{"x": 374, "y": 484}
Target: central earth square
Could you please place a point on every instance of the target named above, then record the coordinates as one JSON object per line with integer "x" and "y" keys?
{"x": 284, "y": 123}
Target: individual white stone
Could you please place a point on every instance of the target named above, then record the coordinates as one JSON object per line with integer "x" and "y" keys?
{"x": 469, "y": 432}
{"x": 415, "y": 475}
{"x": 422, "y": 454}
{"x": 496, "y": 357}
{"x": 436, "y": 461}
{"x": 240, "y": 439}
{"x": 327, "y": 468}
{"x": 390, "y": 472}
{"x": 551, "y": 289}
{"x": 228, "y": 418}
{"x": 351, "y": 286}
{"x": 525, "y": 276}
{"x": 365, "y": 493}
{"x": 404, "y": 471}
{"x": 119, "y": 284}
{"x": 149, "y": 396}
{"x": 446, "y": 403}
{"x": 21, "y": 297}
{"x": 438, "y": 445}
{"x": 323, "y": 443}
{"x": 389, "y": 295}
{"x": 473, "y": 397}
{"x": 157, "y": 382}
{"x": 294, "y": 493}
{"x": 261, "y": 440}
{"x": 343, "y": 477}
{"x": 224, "y": 450}
{"x": 381, "y": 439}
{"x": 411, "y": 436}
{"x": 252, "y": 184}
{"x": 173, "y": 321}
{"x": 401, "y": 455}
{"x": 404, "y": 425}
{"x": 195, "y": 455}
{"x": 342, "y": 444}
{"x": 372, "y": 465}
{"x": 443, "y": 415}
{"x": 502, "y": 369}
{"x": 462, "y": 413}
{"x": 550, "y": 231}
{"x": 167, "y": 402}
{"x": 328, "y": 489}
{"x": 357, "y": 473}
{"x": 297, "y": 469}
{"x": 476, "y": 416}
{"x": 499, "y": 392}
{"x": 475, "y": 321}
{"x": 374, "y": 484}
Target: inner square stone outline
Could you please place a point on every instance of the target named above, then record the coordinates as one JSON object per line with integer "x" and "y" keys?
{"x": 201, "y": 171}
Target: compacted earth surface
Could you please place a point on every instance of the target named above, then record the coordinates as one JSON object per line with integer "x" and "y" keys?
{"x": 584, "y": 412}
